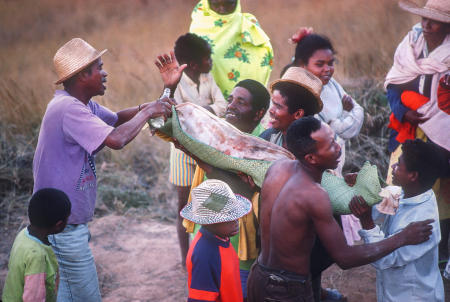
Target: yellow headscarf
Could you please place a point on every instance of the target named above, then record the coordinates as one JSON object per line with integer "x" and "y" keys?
{"x": 240, "y": 48}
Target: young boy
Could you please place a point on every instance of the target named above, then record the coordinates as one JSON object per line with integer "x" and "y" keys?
{"x": 410, "y": 273}
{"x": 212, "y": 263}
{"x": 196, "y": 86}
{"x": 33, "y": 268}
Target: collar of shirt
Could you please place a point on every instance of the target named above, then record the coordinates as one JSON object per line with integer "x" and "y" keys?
{"x": 214, "y": 238}
{"x": 188, "y": 81}
{"x": 416, "y": 199}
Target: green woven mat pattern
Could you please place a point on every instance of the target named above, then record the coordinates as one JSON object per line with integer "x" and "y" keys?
{"x": 367, "y": 185}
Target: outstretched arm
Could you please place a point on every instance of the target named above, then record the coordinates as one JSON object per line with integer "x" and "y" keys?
{"x": 350, "y": 256}
{"x": 406, "y": 254}
{"x": 127, "y": 131}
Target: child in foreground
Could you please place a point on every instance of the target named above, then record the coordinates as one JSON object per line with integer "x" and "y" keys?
{"x": 212, "y": 263}
{"x": 410, "y": 273}
{"x": 33, "y": 268}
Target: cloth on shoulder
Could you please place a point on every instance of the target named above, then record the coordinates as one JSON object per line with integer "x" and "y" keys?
{"x": 407, "y": 66}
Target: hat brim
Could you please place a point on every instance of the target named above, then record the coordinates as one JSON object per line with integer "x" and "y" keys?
{"x": 81, "y": 68}
{"x": 238, "y": 212}
{"x": 426, "y": 12}
{"x": 308, "y": 89}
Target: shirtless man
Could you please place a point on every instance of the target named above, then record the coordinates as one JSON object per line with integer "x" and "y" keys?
{"x": 295, "y": 208}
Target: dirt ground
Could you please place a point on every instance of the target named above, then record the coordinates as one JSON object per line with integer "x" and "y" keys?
{"x": 138, "y": 260}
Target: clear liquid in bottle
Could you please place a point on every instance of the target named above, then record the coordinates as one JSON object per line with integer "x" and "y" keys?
{"x": 158, "y": 122}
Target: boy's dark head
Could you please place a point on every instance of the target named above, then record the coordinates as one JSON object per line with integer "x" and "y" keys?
{"x": 194, "y": 51}
{"x": 312, "y": 142}
{"x": 49, "y": 209}
{"x": 419, "y": 165}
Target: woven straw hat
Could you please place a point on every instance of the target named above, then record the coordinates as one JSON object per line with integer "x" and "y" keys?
{"x": 214, "y": 202}
{"x": 304, "y": 79}
{"x": 73, "y": 57}
{"x": 438, "y": 10}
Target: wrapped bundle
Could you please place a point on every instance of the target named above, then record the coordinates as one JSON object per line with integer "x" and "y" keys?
{"x": 220, "y": 144}
{"x": 367, "y": 185}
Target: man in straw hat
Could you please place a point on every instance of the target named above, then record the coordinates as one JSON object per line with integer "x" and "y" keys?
{"x": 74, "y": 128}
{"x": 295, "y": 95}
{"x": 294, "y": 209}
{"x": 212, "y": 263}
{"x": 419, "y": 72}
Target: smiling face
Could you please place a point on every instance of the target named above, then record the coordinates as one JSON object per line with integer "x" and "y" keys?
{"x": 321, "y": 64}
{"x": 95, "y": 79}
{"x": 240, "y": 111}
{"x": 327, "y": 151}
{"x": 280, "y": 118}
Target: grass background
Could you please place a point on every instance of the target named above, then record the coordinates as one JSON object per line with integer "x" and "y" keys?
{"x": 364, "y": 33}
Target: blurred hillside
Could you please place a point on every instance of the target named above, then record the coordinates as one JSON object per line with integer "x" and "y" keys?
{"x": 365, "y": 34}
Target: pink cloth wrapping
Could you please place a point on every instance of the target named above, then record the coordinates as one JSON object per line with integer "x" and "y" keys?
{"x": 407, "y": 67}
{"x": 351, "y": 226}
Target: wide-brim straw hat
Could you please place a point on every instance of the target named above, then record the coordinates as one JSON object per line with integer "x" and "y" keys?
{"x": 438, "y": 10}
{"x": 214, "y": 202}
{"x": 304, "y": 79}
{"x": 73, "y": 57}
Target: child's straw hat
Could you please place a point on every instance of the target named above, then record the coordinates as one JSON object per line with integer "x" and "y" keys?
{"x": 73, "y": 57}
{"x": 214, "y": 202}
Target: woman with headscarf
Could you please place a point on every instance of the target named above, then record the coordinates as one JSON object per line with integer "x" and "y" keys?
{"x": 240, "y": 48}
{"x": 417, "y": 89}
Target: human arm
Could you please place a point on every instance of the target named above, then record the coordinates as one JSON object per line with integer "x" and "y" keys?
{"x": 346, "y": 256}
{"x": 170, "y": 70}
{"x": 349, "y": 123}
{"x": 359, "y": 207}
{"x": 396, "y": 224}
{"x": 127, "y": 131}
{"x": 127, "y": 114}
{"x": 34, "y": 288}
{"x": 400, "y": 111}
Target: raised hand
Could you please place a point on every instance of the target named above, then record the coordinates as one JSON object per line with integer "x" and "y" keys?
{"x": 417, "y": 232}
{"x": 170, "y": 70}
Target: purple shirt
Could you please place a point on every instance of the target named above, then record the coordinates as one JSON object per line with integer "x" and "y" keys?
{"x": 70, "y": 133}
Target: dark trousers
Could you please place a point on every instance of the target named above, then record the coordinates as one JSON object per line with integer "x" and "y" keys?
{"x": 270, "y": 285}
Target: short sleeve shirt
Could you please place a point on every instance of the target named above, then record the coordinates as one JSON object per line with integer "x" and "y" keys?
{"x": 71, "y": 132}
{"x": 29, "y": 256}
{"x": 213, "y": 269}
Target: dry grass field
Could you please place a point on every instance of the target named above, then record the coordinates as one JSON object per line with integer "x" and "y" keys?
{"x": 365, "y": 35}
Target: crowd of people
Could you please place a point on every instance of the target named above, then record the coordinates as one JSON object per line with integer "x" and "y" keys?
{"x": 248, "y": 242}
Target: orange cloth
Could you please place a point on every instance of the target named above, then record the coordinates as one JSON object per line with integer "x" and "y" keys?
{"x": 443, "y": 97}
{"x": 413, "y": 101}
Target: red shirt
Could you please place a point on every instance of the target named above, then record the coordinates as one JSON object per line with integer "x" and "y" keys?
{"x": 213, "y": 268}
